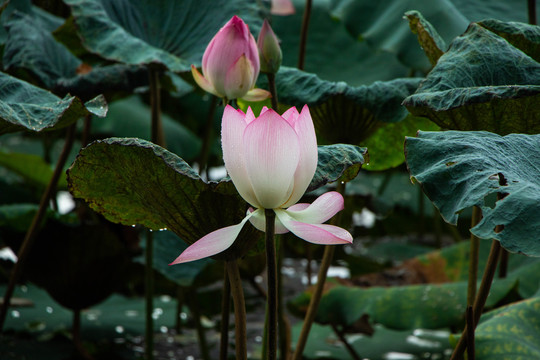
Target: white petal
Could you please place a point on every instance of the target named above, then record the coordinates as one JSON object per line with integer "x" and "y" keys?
{"x": 259, "y": 221}
{"x": 315, "y": 233}
{"x": 233, "y": 126}
{"x": 303, "y": 125}
{"x": 272, "y": 152}
{"x": 322, "y": 209}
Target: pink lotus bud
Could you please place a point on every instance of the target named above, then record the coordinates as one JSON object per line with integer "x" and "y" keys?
{"x": 269, "y": 50}
{"x": 282, "y": 7}
{"x": 230, "y": 64}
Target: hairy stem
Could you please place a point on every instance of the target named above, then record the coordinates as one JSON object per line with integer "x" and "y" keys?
{"x": 30, "y": 236}
{"x": 239, "y": 309}
{"x": 303, "y": 35}
{"x": 316, "y": 297}
{"x": 271, "y": 308}
{"x": 273, "y": 90}
{"x": 473, "y": 258}
{"x": 483, "y": 292}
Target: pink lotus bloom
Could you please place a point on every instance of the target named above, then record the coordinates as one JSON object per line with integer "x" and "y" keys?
{"x": 271, "y": 160}
{"x": 230, "y": 64}
{"x": 282, "y": 7}
{"x": 270, "y": 54}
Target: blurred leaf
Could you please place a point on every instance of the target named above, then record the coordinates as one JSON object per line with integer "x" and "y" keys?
{"x": 460, "y": 169}
{"x": 337, "y": 162}
{"x": 381, "y": 26}
{"x": 429, "y": 39}
{"x": 430, "y": 306}
{"x": 323, "y": 343}
{"x": 331, "y": 52}
{"x": 26, "y": 107}
{"x": 17, "y": 217}
{"x": 167, "y": 32}
{"x": 387, "y": 142}
{"x": 166, "y": 247}
{"x": 32, "y": 168}
{"x": 512, "y": 331}
{"x": 130, "y": 117}
{"x": 343, "y": 113}
{"x": 132, "y": 181}
{"x": 481, "y": 83}
{"x": 525, "y": 37}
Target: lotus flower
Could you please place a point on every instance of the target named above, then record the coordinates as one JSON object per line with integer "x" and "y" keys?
{"x": 271, "y": 160}
{"x": 282, "y": 7}
{"x": 230, "y": 64}
{"x": 270, "y": 54}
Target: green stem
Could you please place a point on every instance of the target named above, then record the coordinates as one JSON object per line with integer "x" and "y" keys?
{"x": 196, "y": 311}
{"x": 271, "y": 308}
{"x": 483, "y": 292}
{"x": 303, "y": 35}
{"x": 30, "y": 236}
{"x": 273, "y": 90}
{"x": 473, "y": 258}
{"x": 239, "y": 309}
{"x": 225, "y": 312}
{"x": 156, "y": 133}
{"x": 284, "y": 326}
{"x": 531, "y": 7}
{"x": 341, "y": 335}
{"x": 149, "y": 295}
{"x": 470, "y": 334}
{"x": 207, "y": 137}
{"x": 316, "y": 297}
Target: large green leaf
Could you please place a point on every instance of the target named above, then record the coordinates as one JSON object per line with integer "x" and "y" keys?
{"x": 481, "y": 83}
{"x": 343, "y": 113}
{"x": 168, "y": 32}
{"x": 26, "y": 107}
{"x": 32, "y": 52}
{"x": 331, "y": 53}
{"x": 132, "y": 181}
{"x": 523, "y": 36}
{"x": 458, "y": 170}
{"x": 430, "y": 306}
{"x": 338, "y": 162}
{"x": 511, "y": 332}
{"x": 430, "y": 40}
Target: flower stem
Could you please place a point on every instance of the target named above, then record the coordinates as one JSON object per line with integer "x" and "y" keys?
{"x": 503, "y": 264}
{"x": 473, "y": 258}
{"x": 32, "y": 231}
{"x": 303, "y": 35}
{"x": 470, "y": 334}
{"x": 239, "y": 309}
{"x": 271, "y": 308}
{"x": 208, "y": 134}
{"x": 149, "y": 295}
{"x": 483, "y": 292}
{"x": 316, "y": 297}
{"x": 531, "y": 6}
{"x": 284, "y": 326}
{"x": 272, "y": 88}
{"x": 341, "y": 335}
{"x": 225, "y": 312}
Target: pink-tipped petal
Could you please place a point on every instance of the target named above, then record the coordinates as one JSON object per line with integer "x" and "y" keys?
{"x": 303, "y": 125}
{"x": 232, "y": 131}
{"x": 211, "y": 244}
{"x": 315, "y": 233}
{"x": 238, "y": 80}
{"x": 282, "y": 7}
{"x": 202, "y": 81}
{"x": 258, "y": 220}
{"x": 272, "y": 153}
{"x": 250, "y": 116}
{"x": 257, "y": 94}
{"x": 321, "y": 210}
{"x": 291, "y": 115}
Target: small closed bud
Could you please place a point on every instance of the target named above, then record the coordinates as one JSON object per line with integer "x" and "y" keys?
{"x": 269, "y": 50}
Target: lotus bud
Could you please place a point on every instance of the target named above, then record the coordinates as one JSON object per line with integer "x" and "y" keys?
{"x": 269, "y": 50}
